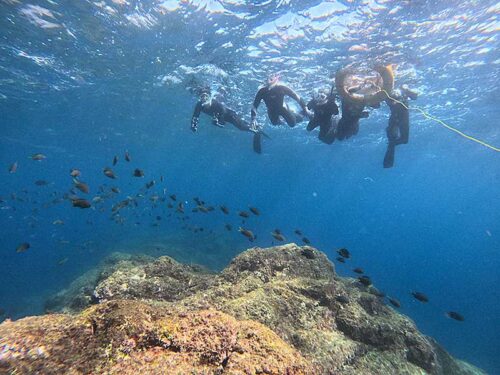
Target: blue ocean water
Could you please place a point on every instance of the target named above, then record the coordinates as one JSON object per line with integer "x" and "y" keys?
{"x": 84, "y": 81}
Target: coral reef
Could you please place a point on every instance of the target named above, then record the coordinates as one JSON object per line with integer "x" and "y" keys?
{"x": 305, "y": 319}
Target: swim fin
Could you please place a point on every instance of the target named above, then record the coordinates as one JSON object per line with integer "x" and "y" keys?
{"x": 389, "y": 155}
{"x": 257, "y": 143}
{"x": 264, "y": 134}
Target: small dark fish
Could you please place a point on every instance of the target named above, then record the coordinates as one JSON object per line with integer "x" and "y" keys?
{"x": 308, "y": 253}
{"x": 74, "y": 172}
{"x": 224, "y": 209}
{"x": 83, "y": 187}
{"x": 62, "y": 261}
{"x": 108, "y": 172}
{"x": 376, "y": 292}
{"x": 365, "y": 280}
{"x": 58, "y": 222}
{"x": 138, "y": 173}
{"x": 306, "y": 240}
{"x": 298, "y": 232}
{"x": 202, "y": 209}
{"x": 394, "y": 302}
{"x": 150, "y": 184}
{"x": 161, "y": 178}
{"x": 180, "y": 207}
{"x": 343, "y": 252}
{"x": 38, "y": 157}
{"x": 278, "y": 236}
{"x": 455, "y": 315}
{"x": 358, "y": 270}
{"x": 228, "y": 227}
{"x": 158, "y": 218}
{"x": 127, "y": 156}
{"x": 13, "y": 168}
{"x": 340, "y": 259}
{"x": 41, "y": 183}
{"x": 247, "y": 233}
{"x": 80, "y": 203}
{"x": 115, "y": 160}
{"x": 254, "y": 210}
{"x": 115, "y": 190}
{"x": 210, "y": 208}
{"x": 244, "y": 214}
{"x": 23, "y": 247}
{"x": 342, "y": 299}
{"x": 198, "y": 201}
{"x": 173, "y": 197}
{"x": 420, "y": 297}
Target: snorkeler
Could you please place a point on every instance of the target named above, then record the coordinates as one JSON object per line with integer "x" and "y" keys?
{"x": 398, "y": 130}
{"x": 357, "y": 93}
{"x": 273, "y": 95}
{"x": 220, "y": 115}
{"x": 348, "y": 124}
{"x": 324, "y": 108}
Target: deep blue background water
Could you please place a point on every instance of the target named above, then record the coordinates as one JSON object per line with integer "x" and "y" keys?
{"x": 431, "y": 223}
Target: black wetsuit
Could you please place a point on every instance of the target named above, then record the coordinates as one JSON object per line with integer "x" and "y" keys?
{"x": 220, "y": 115}
{"x": 349, "y": 122}
{"x": 398, "y": 130}
{"x": 323, "y": 117}
{"x": 274, "y": 99}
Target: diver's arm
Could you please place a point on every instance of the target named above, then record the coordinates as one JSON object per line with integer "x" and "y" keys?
{"x": 195, "y": 118}
{"x": 256, "y": 103}
{"x": 292, "y": 94}
{"x": 413, "y": 95}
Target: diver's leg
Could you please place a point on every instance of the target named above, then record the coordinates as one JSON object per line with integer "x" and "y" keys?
{"x": 290, "y": 117}
{"x": 327, "y": 132}
{"x": 274, "y": 117}
{"x": 313, "y": 124}
{"x": 233, "y": 118}
{"x": 404, "y": 132}
{"x": 343, "y": 128}
{"x": 392, "y": 135}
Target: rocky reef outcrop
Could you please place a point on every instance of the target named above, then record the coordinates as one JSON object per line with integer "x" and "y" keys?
{"x": 280, "y": 310}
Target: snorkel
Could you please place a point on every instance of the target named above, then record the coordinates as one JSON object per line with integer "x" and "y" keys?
{"x": 205, "y": 99}
{"x": 272, "y": 80}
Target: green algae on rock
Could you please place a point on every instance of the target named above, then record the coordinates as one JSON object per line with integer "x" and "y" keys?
{"x": 294, "y": 291}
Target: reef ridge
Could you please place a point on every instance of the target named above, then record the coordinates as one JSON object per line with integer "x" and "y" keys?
{"x": 279, "y": 310}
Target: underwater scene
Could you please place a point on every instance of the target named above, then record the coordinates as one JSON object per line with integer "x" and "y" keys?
{"x": 249, "y": 187}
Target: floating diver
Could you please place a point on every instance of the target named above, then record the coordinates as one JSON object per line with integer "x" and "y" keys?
{"x": 273, "y": 94}
{"x": 222, "y": 114}
{"x": 367, "y": 92}
{"x": 324, "y": 108}
{"x": 398, "y": 129}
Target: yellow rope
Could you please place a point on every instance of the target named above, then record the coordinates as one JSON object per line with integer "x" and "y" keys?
{"x": 430, "y": 117}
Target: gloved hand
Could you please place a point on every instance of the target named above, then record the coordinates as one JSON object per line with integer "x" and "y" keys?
{"x": 253, "y": 126}
{"x": 194, "y": 124}
{"x": 215, "y": 121}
